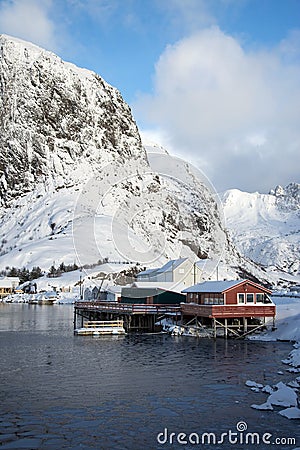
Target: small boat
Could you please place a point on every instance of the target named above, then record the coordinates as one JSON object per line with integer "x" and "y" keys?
{"x": 97, "y": 328}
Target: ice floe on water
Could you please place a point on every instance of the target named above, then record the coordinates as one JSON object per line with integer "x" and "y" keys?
{"x": 282, "y": 394}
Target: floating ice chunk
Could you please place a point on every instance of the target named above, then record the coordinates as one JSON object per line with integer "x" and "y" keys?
{"x": 293, "y": 384}
{"x": 263, "y": 407}
{"x": 280, "y": 372}
{"x": 291, "y": 413}
{"x": 268, "y": 389}
{"x": 283, "y": 396}
{"x": 294, "y": 357}
{"x": 255, "y": 389}
{"x": 251, "y": 383}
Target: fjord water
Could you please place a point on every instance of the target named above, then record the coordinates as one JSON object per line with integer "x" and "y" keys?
{"x": 60, "y": 391}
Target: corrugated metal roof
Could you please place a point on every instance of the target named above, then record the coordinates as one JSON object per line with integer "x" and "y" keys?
{"x": 151, "y": 284}
{"x": 213, "y": 286}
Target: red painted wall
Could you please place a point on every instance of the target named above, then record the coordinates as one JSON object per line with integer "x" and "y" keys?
{"x": 231, "y": 296}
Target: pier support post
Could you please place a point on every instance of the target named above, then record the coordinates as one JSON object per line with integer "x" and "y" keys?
{"x": 75, "y": 319}
{"x": 245, "y": 324}
{"x": 215, "y": 328}
{"x": 225, "y": 329}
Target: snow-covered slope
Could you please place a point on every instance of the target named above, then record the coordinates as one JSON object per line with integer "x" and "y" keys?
{"x": 75, "y": 180}
{"x": 266, "y": 227}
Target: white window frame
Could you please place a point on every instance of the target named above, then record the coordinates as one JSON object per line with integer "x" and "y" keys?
{"x": 251, "y": 302}
{"x": 238, "y": 300}
{"x": 263, "y": 296}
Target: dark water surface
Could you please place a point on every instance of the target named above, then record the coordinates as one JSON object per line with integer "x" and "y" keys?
{"x": 60, "y": 391}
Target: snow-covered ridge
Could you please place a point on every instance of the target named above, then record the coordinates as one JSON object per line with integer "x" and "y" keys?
{"x": 31, "y": 53}
{"x": 266, "y": 227}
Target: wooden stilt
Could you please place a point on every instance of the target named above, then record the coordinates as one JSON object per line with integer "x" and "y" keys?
{"x": 245, "y": 321}
{"x": 225, "y": 329}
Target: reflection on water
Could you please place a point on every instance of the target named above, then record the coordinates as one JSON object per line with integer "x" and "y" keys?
{"x": 64, "y": 391}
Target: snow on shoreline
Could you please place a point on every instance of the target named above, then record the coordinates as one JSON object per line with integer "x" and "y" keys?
{"x": 287, "y": 321}
{"x": 283, "y": 395}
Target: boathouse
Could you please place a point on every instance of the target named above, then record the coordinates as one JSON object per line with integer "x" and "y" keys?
{"x": 152, "y": 293}
{"x": 8, "y": 285}
{"x": 230, "y": 304}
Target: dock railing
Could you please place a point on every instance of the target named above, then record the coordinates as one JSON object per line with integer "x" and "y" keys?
{"x": 128, "y": 308}
{"x": 103, "y": 323}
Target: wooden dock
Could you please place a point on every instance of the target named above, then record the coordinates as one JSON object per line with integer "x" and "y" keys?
{"x": 135, "y": 317}
{"x": 101, "y": 327}
{"x": 235, "y": 321}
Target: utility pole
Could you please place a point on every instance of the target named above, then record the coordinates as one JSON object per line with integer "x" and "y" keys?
{"x": 80, "y": 287}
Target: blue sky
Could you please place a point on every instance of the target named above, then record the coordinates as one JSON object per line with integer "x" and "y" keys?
{"x": 215, "y": 81}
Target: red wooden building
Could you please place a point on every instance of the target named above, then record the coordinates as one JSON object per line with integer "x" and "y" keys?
{"x": 229, "y": 304}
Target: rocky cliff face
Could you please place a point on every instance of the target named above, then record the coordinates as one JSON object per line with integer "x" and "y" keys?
{"x": 56, "y": 118}
{"x": 288, "y": 197}
{"x": 73, "y": 170}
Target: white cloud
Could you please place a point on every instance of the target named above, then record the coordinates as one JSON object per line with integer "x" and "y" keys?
{"x": 234, "y": 112}
{"x": 29, "y": 20}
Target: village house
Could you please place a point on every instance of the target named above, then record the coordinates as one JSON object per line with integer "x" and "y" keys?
{"x": 229, "y": 304}
{"x": 8, "y": 285}
{"x": 176, "y": 271}
{"x": 113, "y": 293}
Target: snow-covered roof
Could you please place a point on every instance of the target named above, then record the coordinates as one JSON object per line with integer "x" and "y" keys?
{"x": 147, "y": 272}
{"x": 152, "y": 284}
{"x": 114, "y": 289}
{"x": 162, "y": 285}
{"x": 10, "y": 278}
{"x": 213, "y": 286}
{"x": 168, "y": 267}
{"x": 9, "y": 282}
{"x": 171, "y": 265}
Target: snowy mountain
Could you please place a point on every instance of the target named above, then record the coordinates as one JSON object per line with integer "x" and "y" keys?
{"x": 76, "y": 183}
{"x": 266, "y": 227}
